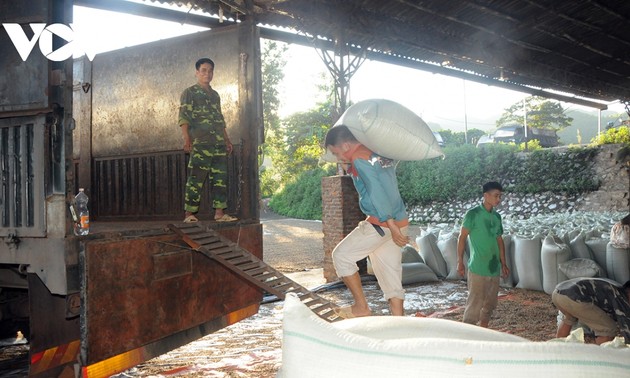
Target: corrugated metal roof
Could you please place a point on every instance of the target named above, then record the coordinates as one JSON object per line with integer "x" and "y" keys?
{"x": 580, "y": 47}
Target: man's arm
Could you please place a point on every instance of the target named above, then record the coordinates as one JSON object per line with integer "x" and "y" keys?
{"x": 461, "y": 247}
{"x": 397, "y": 236}
{"x": 186, "y": 135}
{"x": 185, "y": 117}
{"x": 505, "y": 270}
{"x": 228, "y": 144}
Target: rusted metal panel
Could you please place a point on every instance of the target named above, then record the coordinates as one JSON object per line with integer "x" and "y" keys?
{"x": 82, "y": 115}
{"x": 139, "y": 290}
{"x": 151, "y": 186}
{"x": 51, "y": 329}
{"x": 23, "y": 85}
{"x": 136, "y": 91}
{"x": 22, "y": 181}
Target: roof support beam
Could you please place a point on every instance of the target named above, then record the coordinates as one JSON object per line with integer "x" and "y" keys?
{"x": 392, "y": 59}
{"x": 143, "y": 10}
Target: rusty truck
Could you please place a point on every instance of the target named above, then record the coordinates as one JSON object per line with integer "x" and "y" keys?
{"x": 131, "y": 289}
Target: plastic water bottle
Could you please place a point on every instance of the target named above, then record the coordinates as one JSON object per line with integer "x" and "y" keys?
{"x": 82, "y": 223}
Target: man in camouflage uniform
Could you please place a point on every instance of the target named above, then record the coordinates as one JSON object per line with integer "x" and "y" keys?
{"x": 206, "y": 139}
{"x": 602, "y": 305}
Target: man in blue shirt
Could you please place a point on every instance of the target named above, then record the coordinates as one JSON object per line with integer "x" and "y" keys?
{"x": 384, "y": 231}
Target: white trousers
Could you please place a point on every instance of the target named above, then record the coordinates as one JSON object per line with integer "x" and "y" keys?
{"x": 385, "y": 257}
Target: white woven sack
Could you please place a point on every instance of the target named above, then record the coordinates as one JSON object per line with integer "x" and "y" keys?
{"x": 512, "y": 266}
{"x": 578, "y": 247}
{"x": 570, "y": 235}
{"x": 448, "y": 248}
{"x": 528, "y": 262}
{"x": 430, "y": 253}
{"x": 417, "y": 272}
{"x": 384, "y": 346}
{"x": 410, "y": 255}
{"x": 618, "y": 263}
{"x": 554, "y": 252}
{"x": 579, "y": 267}
{"x": 509, "y": 261}
{"x": 390, "y": 130}
{"x": 598, "y": 246}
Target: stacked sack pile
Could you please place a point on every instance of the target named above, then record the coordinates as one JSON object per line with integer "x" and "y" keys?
{"x": 541, "y": 251}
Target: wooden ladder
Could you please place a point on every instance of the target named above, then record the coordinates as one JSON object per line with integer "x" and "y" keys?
{"x": 250, "y": 268}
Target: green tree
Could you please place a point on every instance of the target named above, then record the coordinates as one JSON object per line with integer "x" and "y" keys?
{"x": 613, "y": 135}
{"x": 273, "y": 63}
{"x": 304, "y": 136}
{"x": 541, "y": 114}
{"x": 294, "y": 144}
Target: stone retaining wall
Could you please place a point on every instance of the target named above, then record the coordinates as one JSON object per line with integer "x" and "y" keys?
{"x": 613, "y": 195}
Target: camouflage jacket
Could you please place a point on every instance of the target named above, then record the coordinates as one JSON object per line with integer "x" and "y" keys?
{"x": 201, "y": 110}
{"x": 605, "y": 294}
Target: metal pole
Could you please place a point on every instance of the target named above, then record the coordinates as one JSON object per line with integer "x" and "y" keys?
{"x": 525, "y": 122}
{"x": 465, "y": 115}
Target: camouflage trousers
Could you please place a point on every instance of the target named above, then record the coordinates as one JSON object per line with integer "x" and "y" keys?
{"x": 206, "y": 162}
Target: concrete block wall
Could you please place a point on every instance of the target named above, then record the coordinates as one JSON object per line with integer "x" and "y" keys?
{"x": 340, "y": 215}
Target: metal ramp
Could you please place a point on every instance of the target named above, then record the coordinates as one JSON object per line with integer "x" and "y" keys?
{"x": 250, "y": 268}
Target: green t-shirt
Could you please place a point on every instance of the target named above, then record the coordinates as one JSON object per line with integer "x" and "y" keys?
{"x": 484, "y": 228}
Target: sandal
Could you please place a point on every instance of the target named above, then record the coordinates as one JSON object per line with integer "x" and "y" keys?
{"x": 226, "y": 218}
{"x": 191, "y": 219}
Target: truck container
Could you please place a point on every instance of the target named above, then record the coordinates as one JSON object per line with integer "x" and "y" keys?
{"x": 131, "y": 289}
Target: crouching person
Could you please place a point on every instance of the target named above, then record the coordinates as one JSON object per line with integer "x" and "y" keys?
{"x": 600, "y": 304}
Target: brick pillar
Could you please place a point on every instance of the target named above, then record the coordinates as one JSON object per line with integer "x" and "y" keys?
{"x": 340, "y": 215}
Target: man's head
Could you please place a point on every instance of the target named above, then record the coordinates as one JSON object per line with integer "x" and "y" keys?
{"x": 203, "y": 61}
{"x": 340, "y": 140}
{"x": 492, "y": 192}
{"x": 204, "y": 71}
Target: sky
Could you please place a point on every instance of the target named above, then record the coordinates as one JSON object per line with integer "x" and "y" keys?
{"x": 443, "y": 102}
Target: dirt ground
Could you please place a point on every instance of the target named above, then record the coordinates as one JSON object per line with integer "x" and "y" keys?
{"x": 293, "y": 245}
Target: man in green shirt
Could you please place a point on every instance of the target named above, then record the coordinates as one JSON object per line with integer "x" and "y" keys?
{"x": 206, "y": 139}
{"x": 487, "y": 256}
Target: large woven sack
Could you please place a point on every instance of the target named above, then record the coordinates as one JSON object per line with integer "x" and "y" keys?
{"x": 620, "y": 235}
{"x": 509, "y": 257}
{"x": 580, "y": 268}
{"x": 417, "y": 272}
{"x": 528, "y": 262}
{"x": 410, "y": 255}
{"x": 554, "y": 252}
{"x": 618, "y": 263}
{"x": 430, "y": 253}
{"x": 448, "y": 248}
{"x": 578, "y": 247}
{"x": 392, "y": 346}
{"x": 598, "y": 246}
{"x": 570, "y": 235}
{"x": 390, "y": 130}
